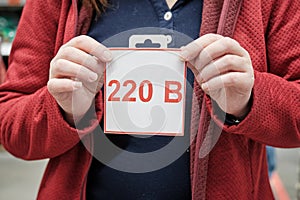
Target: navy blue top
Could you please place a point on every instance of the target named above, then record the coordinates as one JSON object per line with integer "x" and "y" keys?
{"x": 172, "y": 181}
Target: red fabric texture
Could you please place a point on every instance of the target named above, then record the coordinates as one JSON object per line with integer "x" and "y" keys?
{"x": 32, "y": 126}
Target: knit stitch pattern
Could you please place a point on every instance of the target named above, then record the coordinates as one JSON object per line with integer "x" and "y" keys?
{"x": 32, "y": 126}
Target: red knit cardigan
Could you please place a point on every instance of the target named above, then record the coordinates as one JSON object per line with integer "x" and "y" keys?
{"x": 32, "y": 126}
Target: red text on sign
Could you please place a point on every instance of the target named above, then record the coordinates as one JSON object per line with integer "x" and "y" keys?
{"x": 176, "y": 91}
{"x": 112, "y": 96}
{"x": 132, "y": 89}
{"x": 170, "y": 91}
{"x": 150, "y": 91}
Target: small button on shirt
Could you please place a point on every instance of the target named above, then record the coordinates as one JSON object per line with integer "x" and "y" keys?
{"x": 168, "y": 16}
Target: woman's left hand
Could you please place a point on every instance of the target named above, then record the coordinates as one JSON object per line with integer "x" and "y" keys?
{"x": 224, "y": 71}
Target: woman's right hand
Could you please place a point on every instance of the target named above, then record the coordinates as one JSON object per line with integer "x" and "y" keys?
{"x": 76, "y": 75}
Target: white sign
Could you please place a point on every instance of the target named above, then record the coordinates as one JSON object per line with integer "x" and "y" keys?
{"x": 144, "y": 92}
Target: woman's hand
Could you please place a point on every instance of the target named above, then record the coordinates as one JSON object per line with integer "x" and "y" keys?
{"x": 76, "y": 75}
{"x": 224, "y": 71}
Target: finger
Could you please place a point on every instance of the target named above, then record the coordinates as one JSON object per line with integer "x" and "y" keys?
{"x": 80, "y": 57}
{"x": 91, "y": 46}
{"x": 193, "y": 69}
{"x": 56, "y": 86}
{"x": 227, "y": 63}
{"x": 192, "y": 50}
{"x": 237, "y": 79}
{"x": 217, "y": 49}
{"x": 64, "y": 68}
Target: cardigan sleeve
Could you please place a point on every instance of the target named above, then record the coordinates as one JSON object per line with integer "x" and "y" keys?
{"x": 274, "y": 118}
{"x": 31, "y": 122}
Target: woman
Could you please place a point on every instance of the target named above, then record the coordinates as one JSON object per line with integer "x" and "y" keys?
{"x": 258, "y": 70}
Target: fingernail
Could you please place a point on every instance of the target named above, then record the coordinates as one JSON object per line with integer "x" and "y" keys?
{"x": 199, "y": 78}
{"x": 204, "y": 86}
{"x": 77, "y": 84}
{"x": 93, "y": 77}
{"x": 184, "y": 54}
{"x": 107, "y": 55}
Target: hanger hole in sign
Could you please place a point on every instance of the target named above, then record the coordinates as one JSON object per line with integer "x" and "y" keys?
{"x": 148, "y": 44}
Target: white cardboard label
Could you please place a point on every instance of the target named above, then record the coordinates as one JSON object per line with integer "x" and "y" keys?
{"x": 144, "y": 92}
